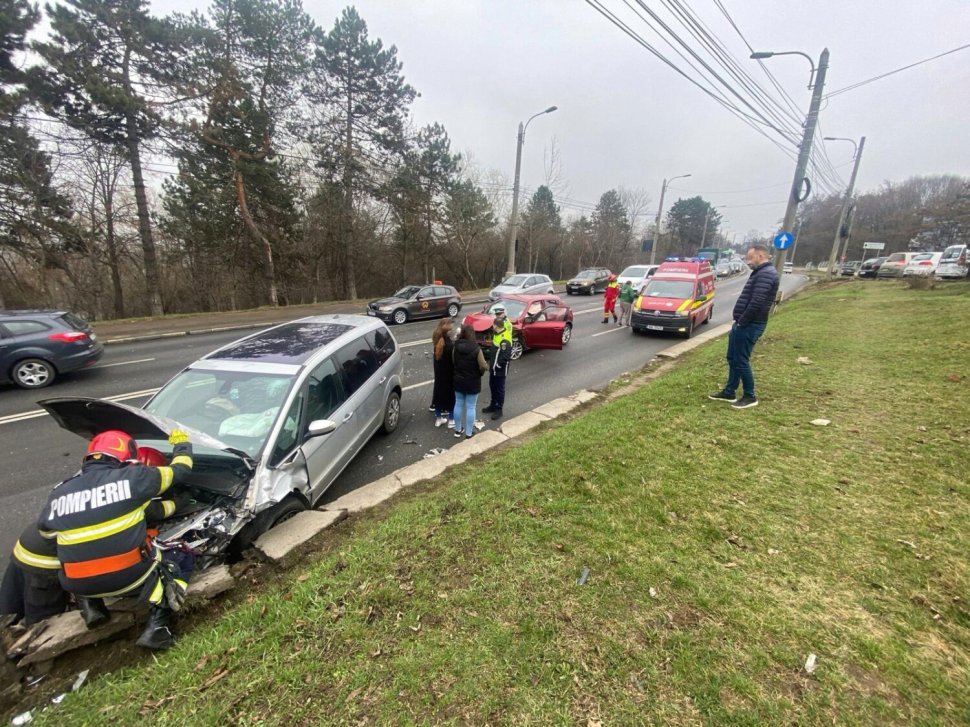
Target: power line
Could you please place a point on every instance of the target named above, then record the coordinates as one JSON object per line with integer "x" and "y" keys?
{"x": 890, "y": 73}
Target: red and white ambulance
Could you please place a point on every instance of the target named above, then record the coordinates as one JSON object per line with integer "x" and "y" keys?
{"x": 679, "y": 297}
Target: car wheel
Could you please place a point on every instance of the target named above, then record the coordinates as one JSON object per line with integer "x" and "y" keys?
{"x": 400, "y": 316}
{"x": 452, "y": 310}
{"x": 392, "y": 413}
{"x": 33, "y": 373}
{"x": 284, "y": 511}
{"x": 567, "y": 333}
{"x": 690, "y": 328}
{"x": 710, "y": 314}
{"x": 518, "y": 348}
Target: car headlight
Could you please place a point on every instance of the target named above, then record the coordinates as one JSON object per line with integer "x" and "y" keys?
{"x": 385, "y": 309}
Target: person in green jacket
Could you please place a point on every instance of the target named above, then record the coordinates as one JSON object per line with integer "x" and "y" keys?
{"x": 628, "y": 294}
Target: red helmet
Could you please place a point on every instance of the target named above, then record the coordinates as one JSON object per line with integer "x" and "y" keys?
{"x": 113, "y": 443}
{"x": 151, "y": 457}
{"x": 613, "y": 277}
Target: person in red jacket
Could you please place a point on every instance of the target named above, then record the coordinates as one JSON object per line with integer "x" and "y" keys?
{"x": 610, "y": 295}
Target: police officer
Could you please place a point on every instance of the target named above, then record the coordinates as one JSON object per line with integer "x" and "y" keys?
{"x": 499, "y": 357}
{"x": 98, "y": 518}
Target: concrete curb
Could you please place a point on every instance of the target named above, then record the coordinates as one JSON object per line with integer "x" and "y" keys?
{"x": 692, "y": 343}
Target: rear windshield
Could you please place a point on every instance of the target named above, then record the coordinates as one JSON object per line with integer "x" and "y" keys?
{"x": 953, "y": 252}
{"x": 682, "y": 289}
{"x": 75, "y": 322}
{"x": 922, "y": 256}
{"x": 587, "y": 274}
{"x": 896, "y": 257}
{"x": 635, "y": 271}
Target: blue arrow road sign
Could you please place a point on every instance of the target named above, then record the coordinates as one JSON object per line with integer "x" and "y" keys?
{"x": 783, "y": 240}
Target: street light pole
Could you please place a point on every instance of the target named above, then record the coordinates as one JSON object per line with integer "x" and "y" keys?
{"x": 656, "y": 225}
{"x": 805, "y": 148}
{"x": 514, "y": 222}
{"x": 848, "y": 198}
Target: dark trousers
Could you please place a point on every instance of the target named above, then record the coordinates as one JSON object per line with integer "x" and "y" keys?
{"x": 741, "y": 342}
{"x": 31, "y": 596}
{"x": 496, "y": 385}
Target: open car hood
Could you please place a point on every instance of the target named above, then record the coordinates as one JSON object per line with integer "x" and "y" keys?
{"x": 87, "y": 417}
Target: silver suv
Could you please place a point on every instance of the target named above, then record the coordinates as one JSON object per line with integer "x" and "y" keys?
{"x": 274, "y": 418}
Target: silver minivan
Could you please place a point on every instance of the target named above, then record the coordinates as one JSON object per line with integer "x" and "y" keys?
{"x": 274, "y": 418}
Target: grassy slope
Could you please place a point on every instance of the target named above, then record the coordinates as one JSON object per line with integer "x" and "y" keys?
{"x": 764, "y": 538}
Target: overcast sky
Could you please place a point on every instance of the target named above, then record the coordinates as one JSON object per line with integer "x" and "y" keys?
{"x": 626, "y": 119}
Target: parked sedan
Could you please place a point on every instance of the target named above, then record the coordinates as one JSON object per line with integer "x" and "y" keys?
{"x": 36, "y": 346}
{"x": 849, "y": 268}
{"x": 922, "y": 264}
{"x": 273, "y": 418}
{"x": 522, "y": 284}
{"x": 538, "y": 321}
{"x": 870, "y": 267}
{"x": 417, "y": 301}
{"x": 592, "y": 280}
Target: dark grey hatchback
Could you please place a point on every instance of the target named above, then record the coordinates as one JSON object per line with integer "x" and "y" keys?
{"x": 36, "y": 346}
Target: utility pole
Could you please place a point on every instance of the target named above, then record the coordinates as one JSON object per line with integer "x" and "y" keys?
{"x": 845, "y": 207}
{"x": 514, "y": 222}
{"x": 805, "y": 150}
{"x": 656, "y": 225}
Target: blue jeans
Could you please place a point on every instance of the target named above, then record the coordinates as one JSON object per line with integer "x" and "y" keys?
{"x": 465, "y": 412}
{"x": 741, "y": 342}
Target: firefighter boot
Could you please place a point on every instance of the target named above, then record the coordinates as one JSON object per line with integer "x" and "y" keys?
{"x": 93, "y": 611}
{"x": 157, "y": 636}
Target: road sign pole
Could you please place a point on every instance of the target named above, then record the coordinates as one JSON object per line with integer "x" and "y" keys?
{"x": 805, "y": 149}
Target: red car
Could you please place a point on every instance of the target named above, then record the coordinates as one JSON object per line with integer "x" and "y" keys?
{"x": 538, "y": 321}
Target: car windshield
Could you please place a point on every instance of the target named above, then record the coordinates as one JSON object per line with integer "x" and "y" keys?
{"x": 634, "y": 271}
{"x": 952, "y": 253}
{"x": 513, "y": 308}
{"x": 682, "y": 289}
{"x": 586, "y": 274}
{"x": 237, "y": 408}
{"x": 516, "y": 280}
{"x": 408, "y": 292}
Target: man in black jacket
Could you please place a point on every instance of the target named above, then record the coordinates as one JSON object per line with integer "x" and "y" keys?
{"x": 750, "y": 319}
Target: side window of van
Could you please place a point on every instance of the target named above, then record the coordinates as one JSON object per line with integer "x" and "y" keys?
{"x": 382, "y": 343}
{"x": 357, "y": 362}
{"x": 325, "y": 391}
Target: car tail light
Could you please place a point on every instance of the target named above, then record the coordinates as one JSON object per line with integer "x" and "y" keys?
{"x": 926, "y": 262}
{"x": 68, "y": 336}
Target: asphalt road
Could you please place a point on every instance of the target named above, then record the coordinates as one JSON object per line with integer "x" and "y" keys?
{"x": 35, "y": 453}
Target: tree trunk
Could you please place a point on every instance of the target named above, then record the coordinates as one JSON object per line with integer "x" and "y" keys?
{"x": 347, "y": 244}
{"x": 269, "y": 270}
{"x": 112, "y": 244}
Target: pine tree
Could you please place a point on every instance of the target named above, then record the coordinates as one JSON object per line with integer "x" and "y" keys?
{"x": 108, "y": 63}
{"x": 363, "y": 103}
{"x": 541, "y": 227}
{"x": 612, "y": 230}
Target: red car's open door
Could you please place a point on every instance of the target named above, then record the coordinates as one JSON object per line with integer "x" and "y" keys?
{"x": 545, "y": 328}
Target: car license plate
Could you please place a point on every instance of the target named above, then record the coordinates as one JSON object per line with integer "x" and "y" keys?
{"x": 655, "y": 328}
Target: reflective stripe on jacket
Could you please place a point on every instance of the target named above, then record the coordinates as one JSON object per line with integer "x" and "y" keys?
{"x": 98, "y": 520}
{"x": 35, "y": 553}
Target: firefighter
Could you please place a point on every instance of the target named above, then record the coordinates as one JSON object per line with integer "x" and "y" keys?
{"x": 610, "y": 295}
{"x": 31, "y": 588}
{"x": 98, "y": 518}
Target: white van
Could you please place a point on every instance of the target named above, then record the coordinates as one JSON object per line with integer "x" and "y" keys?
{"x": 953, "y": 263}
{"x": 637, "y": 274}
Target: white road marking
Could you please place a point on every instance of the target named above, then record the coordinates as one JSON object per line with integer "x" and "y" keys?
{"x": 613, "y": 329}
{"x": 415, "y": 343}
{"x": 23, "y": 416}
{"x": 121, "y": 363}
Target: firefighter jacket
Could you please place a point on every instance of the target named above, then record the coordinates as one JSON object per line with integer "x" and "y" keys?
{"x": 98, "y": 520}
{"x": 36, "y": 554}
{"x": 610, "y": 295}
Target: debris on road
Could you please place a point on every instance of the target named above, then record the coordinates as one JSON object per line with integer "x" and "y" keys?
{"x": 433, "y": 453}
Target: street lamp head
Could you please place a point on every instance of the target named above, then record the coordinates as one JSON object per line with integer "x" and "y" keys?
{"x": 550, "y": 109}
{"x": 758, "y": 55}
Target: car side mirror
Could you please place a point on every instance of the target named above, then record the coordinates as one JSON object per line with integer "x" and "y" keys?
{"x": 319, "y": 427}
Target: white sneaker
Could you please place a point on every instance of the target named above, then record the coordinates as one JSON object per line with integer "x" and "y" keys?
{"x": 440, "y": 420}
{"x": 451, "y": 423}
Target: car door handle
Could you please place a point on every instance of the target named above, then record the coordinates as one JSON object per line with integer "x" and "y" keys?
{"x": 347, "y": 416}
{"x": 383, "y": 379}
